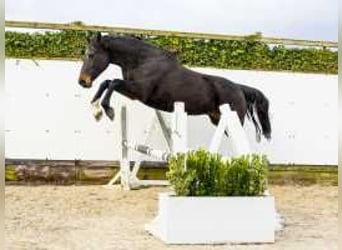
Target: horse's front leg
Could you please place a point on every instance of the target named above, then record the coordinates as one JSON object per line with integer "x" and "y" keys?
{"x": 130, "y": 89}
{"x": 95, "y": 102}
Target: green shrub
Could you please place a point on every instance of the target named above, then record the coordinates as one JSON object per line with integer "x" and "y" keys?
{"x": 230, "y": 54}
{"x": 207, "y": 174}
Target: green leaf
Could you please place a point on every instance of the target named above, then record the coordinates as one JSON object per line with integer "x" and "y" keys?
{"x": 207, "y": 174}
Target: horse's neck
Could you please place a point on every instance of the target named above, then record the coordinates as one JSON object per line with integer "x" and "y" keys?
{"x": 123, "y": 60}
{"x": 128, "y": 54}
{"x": 124, "y": 54}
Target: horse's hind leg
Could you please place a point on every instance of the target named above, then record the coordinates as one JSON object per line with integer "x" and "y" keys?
{"x": 215, "y": 119}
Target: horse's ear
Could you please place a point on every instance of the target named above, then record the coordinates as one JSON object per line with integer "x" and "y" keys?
{"x": 98, "y": 36}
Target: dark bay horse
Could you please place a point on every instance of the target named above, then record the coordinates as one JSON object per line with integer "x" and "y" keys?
{"x": 155, "y": 77}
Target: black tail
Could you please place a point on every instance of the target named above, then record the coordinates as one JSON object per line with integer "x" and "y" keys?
{"x": 257, "y": 101}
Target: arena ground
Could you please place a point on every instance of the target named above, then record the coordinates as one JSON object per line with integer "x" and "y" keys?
{"x": 92, "y": 217}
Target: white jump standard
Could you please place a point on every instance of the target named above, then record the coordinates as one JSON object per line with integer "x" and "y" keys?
{"x": 176, "y": 141}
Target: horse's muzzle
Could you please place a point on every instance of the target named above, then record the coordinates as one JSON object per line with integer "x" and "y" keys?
{"x": 84, "y": 84}
{"x": 85, "y": 81}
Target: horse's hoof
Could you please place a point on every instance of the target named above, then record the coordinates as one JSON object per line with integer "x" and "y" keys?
{"x": 98, "y": 115}
{"x": 268, "y": 137}
{"x": 110, "y": 113}
{"x": 97, "y": 111}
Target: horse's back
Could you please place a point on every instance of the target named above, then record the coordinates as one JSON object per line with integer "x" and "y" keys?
{"x": 201, "y": 93}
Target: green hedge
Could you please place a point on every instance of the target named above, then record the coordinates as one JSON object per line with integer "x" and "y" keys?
{"x": 247, "y": 54}
{"x": 206, "y": 174}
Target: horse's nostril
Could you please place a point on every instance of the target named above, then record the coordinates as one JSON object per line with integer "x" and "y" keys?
{"x": 82, "y": 82}
{"x": 86, "y": 83}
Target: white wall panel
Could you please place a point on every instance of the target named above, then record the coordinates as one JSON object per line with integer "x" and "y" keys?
{"x": 49, "y": 115}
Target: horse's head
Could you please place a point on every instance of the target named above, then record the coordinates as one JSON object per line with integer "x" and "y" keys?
{"x": 95, "y": 62}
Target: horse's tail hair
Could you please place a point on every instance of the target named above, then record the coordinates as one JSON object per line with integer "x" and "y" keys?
{"x": 259, "y": 104}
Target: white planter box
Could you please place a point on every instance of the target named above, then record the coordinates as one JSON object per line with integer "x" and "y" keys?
{"x": 214, "y": 220}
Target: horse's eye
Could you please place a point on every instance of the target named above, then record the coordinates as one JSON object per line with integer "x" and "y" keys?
{"x": 90, "y": 56}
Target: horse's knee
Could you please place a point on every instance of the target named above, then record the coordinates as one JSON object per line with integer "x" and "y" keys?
{"x": 105, "y": 84}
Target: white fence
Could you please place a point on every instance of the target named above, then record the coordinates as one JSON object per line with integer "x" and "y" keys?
{"x": 49, "y": 115}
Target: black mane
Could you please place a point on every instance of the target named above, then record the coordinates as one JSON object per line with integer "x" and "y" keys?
{"x": 138, "y": 45}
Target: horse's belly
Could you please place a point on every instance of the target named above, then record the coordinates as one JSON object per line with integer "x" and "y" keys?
{"x": 196, "y": 96}
{"x": 192, "y": 107}
{"x": 159, "y": 104}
